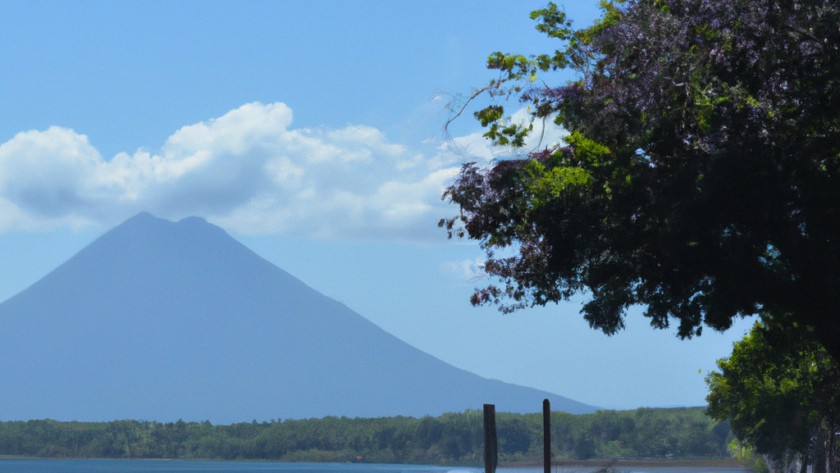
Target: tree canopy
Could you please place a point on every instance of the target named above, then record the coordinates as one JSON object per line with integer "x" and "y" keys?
{"x": 781, "y": 394}
{"x": 701, "y": 176}
{"x": 450, "y": 439}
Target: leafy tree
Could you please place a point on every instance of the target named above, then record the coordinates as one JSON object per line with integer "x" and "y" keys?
{"x": 781, "y": 393}
{"x": 748, "y": 457}
{"x": 702, "y": 174}
{"x": 449, "y": 439}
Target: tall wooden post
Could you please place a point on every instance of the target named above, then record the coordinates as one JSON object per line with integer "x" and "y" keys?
{"x": 491, "y": 452}
{"x": 546, "y": 436}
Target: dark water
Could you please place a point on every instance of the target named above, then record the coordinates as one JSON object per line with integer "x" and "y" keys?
{"x": 175, "y": 466}
{"x": 628, "y": 469}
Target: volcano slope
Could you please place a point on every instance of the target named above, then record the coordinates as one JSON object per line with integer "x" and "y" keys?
{"x": 158, "y": 320}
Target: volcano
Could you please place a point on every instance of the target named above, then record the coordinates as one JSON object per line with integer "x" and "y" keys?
{"x": 157, "y": 320}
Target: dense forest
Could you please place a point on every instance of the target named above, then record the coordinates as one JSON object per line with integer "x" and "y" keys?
{"x": 453, "y": 439}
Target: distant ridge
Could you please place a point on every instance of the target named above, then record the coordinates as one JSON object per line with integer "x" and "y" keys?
{"x": 162, "y": 321}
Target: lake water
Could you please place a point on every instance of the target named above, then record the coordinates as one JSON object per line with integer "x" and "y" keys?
{"x": 177, "y": 466}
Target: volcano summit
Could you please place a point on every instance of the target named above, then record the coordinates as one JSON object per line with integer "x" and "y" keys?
{"x": 158, "y": 320}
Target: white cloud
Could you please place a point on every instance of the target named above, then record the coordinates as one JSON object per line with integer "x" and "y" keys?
{"x": 248, "y": 170}
{"x": 464, "y": 271}
{"x": 476, "y": 148}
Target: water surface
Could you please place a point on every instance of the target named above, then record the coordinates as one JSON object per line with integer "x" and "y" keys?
{"x": 185, "y": 466}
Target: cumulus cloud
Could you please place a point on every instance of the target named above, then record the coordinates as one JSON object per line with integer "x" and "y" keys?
{"x": 475, "y": 147}
{"x": 248, "y": 170}
{"x": 464, "y": 271}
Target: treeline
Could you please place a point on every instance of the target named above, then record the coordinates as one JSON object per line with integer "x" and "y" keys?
{"x": 453, "y": 439}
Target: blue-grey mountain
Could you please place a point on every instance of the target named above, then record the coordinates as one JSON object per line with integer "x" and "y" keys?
{"x": 158, "y": 320}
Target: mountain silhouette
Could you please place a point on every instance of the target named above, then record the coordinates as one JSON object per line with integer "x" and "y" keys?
{"x": 158, "y": 320}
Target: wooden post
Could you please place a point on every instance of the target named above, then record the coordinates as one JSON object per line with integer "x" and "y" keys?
{"x": 546, "y": 436}
{"x": 491, "y": 452}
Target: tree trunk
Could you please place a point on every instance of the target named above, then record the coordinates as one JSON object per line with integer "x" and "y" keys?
{"x": 819, "y": 455}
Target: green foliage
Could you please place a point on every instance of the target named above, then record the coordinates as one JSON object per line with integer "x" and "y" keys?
{"x": 704, "y": 144}
{"x": 778, "y": 390}
{"x": 449, "y": 439}
{"x": 747, "y": 456}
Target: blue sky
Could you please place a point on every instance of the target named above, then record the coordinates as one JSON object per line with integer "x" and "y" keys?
{"x": 311, "y": 131}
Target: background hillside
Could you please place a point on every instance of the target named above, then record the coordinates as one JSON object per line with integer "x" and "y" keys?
{"x": 448, "y": 439}
{"x": 163, "y": 320}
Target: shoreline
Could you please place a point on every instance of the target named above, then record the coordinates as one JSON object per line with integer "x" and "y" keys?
{"x": 561, "y": 463}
